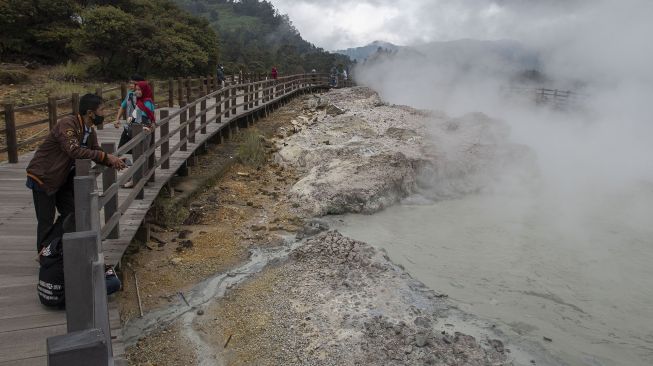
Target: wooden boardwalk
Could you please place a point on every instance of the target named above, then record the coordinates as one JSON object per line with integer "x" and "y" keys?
{"x": 24, "y": 323}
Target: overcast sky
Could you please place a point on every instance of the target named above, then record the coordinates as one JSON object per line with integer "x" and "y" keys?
{"x": 335, "y": 24}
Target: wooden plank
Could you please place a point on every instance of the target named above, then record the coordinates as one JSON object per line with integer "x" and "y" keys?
{"x": 32, "y": 361}
{"x": 20, "y": 269}
{"x": 22, "y": 344}
{"x": 48, "y": 319}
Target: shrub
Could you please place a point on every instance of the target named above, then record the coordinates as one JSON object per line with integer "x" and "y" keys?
{"x": 251, "y": 150}
{"x": 12, "y": 77}
{"x": 70, "y": 71}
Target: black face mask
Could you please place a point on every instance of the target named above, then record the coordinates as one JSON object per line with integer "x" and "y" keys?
{"x": 97, "y": 120}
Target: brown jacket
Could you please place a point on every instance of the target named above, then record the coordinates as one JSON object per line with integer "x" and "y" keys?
{"x": 54, "y": 159}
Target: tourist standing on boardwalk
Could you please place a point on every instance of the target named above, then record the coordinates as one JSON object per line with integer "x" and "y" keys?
{"x": 51, "y": 171}
{"x": 274, "y": 74}
{"x": 143, "y": 114}
{"x": 334, "y": 76}
{"x": 127, "y": 107}
{"x": 220, "y": 73}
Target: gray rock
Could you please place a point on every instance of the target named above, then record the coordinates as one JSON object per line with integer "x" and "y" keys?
{"x": 421, "y": 339}
{"x": 422, "y": 322}
{"x": 333, "y": 110}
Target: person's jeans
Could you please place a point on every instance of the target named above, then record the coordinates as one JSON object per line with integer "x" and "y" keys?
{"x": 46, "y": 207}
{"x": 113, "y": 284}
{"x": 124, "y": 137}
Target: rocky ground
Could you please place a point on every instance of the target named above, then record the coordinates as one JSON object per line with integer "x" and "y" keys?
{"x": 361, "y": 154}
{"x": 337, "y": 301}
{"x": 331, "y": 300}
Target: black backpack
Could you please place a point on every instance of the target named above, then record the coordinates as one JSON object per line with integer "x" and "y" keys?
{"x": 51, "y": 278}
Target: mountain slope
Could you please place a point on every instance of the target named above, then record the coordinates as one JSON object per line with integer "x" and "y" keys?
{"x": 253, "y": 36}
{"x": 359, "y": 54}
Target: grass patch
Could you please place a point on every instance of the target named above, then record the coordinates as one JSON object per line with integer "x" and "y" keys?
{"x": 65, "y": 89}
{"x": 70, "y": 71}
{"x": 168, "y": 212}
{"x": 8, "y": 77}
{"x": 251, "y": 150}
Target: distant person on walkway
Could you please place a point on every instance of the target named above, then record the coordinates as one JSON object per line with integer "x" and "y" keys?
{"x": 274, "y": 74}
{"x": 51, "y": 171}
{"x": 143, "y": 114}
{"x": 221, "y": 77}
{"x": 334, "y": 77}
{"x": 126, "y": 109}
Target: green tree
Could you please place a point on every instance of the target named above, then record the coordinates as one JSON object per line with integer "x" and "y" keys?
{"x": 38, "y": 29}
{"x": 107, "y": 33}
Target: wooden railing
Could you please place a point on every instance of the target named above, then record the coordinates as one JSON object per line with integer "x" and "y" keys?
{"x": 88, "y": 340}
{"x": 166, "y": 92}
{"x": 556, "y": 97}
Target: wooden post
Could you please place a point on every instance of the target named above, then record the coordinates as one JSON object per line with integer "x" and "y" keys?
{"x": 184, "y": 127}
{"x": 12, "y": 139}
{"x": 109, "y": 177}
{"x": 171, "y": 93}
{"x": 75, "y": 103}
{"x": 203, "y": 117}
{"x": 250, "y": 91}
{"x": 82, "y": 167}
{"x": 81, "y": 348}
{"x": 98, "y": 92}
{"x": 137, "y": 152}
{"x": 227, "y": 111}
{"x": 85, "y": 290}
{"x": 191, "y": 123}
{"x": 180, "y": 90}
{"x": 256, "y": 95}
{"x": 52, "y": 111}
{"x": 165, "y": 146}
{"x": 189, "y": 89}
{"x": 123, "y": 91}
{"x": 234, "y": 101}
{"x": 218, "y": 107}
{"x": 245, "y": 98}
{"x": 151, "y": 160}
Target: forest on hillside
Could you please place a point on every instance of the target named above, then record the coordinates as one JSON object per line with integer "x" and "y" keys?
{"x": 111, "y": 39}
{"x": 254, "y": 36}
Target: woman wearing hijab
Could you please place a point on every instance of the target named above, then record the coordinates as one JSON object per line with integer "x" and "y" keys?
{"x": 143, "y": 113}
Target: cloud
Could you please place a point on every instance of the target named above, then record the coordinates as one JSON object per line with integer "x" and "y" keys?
{"x": 599, "y": 149}
{"x": 349, "y": 23}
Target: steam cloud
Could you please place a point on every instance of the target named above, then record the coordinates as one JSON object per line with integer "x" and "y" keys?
{"x": 598, "y": 148}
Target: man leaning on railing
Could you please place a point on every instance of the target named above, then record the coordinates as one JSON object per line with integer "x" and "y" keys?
{"x": 51, "y": 171}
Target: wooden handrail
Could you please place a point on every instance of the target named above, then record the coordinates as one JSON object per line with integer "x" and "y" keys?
{"x": 141, "y": 171}
{"x": 50, "y": 106}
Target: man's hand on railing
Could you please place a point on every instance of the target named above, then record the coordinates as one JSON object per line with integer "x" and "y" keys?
{"x": 116, "y": 124}
{"x": 116, "y": 162}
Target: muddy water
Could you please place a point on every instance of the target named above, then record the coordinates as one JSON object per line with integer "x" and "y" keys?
{"x": 582, "y": 279}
